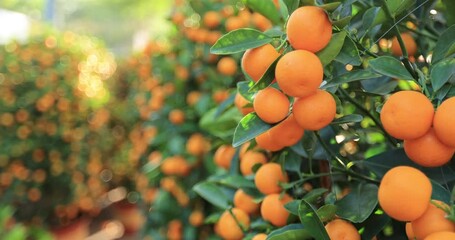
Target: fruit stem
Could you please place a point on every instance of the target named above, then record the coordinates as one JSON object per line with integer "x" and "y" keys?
{"x": 367, "y": 112}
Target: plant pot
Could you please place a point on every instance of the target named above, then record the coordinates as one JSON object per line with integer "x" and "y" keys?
{"x": 76, "y": 230}
{"x": 130, "y": 215}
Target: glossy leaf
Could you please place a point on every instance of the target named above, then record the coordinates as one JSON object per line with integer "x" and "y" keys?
{"x": 442, "y": 72}
{"x": 212, "y": 193}
{"x": 343, "y": 22}
{"x": 236, "y": 181}
{"x": 327, "y": 212}
{"x": 330, "y": 6}
{"x": 330, "y": 52}
{"x": 395, "y": 7}
{"x": 289, "y": 232}
{"x": 358, "y": 205}
{"x": 264, "y": 7}
{"x": 316, "y": 193}
{"x": 351, "y": 77}
{"x": 375, "y": 224}
{"x": 440, "y": 193}
{"x": 248, "y": 128}
{"x": 445, "y": 45}
{"x": 240, "y": 40}
{"x": 243, "y": 88}
{"x": 352, "y": 118}
{"x": 311, "y": 221}
{"x": 266, "y": 79}
{"x": 349, "y": 53}
{"x": 391, "y": 67}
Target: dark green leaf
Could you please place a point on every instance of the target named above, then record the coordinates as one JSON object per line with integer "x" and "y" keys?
{"x": 358, "y": 205}
{"x": 445, "y": 45}
{"x": 330, "y": 6}
{"x": 293, "y": 207}
{"x": 243, "y": 88}
{"x": 440, "y": 193}
{"x": 395, "y": 7}
{"x": 289, "y": 232}
{"x": 375, "y": 224}
{"x": 236, "y": 181}
{"x": 316, "y": 193}
{"x": 330, "y": 52}
{"x": 341, "y": 23}
{"x": 391, "y": 67}
{"x": 311, "y": 221}
{"x": 224, "y": 105}
{"x": 240, "y": 40}
{"x": 442, "y": 72}
{"x": 352, "y": 118}
{"x": 351, "y": 77}
{"x": 248, "y": 128}
{"x": 266, "y": 8}
{"x": 223, "y": 125}
{"x": 349, "y": 53}
{"x": 213, "y": 218}
{"x": 266, "y": 79}
{"x": 327, "y": 212}
{"x": 212, "y": 193}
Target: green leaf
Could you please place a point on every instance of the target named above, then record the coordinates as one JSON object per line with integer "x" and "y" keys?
{"x": 395, "y": 7}
{"x": 352, "y": 118}
{"x": 358, "y": 205}
{"x": 316, "y": 193}
{"x": 221, "y": 126}
{"x": 311, "y": 221}
{"x": 236, "y": 181}
{"x": 212, "y": 193}
{"x": 213, "y": 218}
{"x": 343, "y": 22}
{"x": 293, "y": 207}
{"x": 351, "y": 77}
{"x": 240, "y": 40}
{"x": 289, "y": 232}
{"x": 243, "y": 88}
{"x": 330, "y": 52}
{"x": 375, "y": 224}
{"x": 349, "y": 53}
{"x": 327, "y": 212}
{"x": 248, "y": 128}
{"x": 264, "y": 7}
{"x": 330, "y": 7}
{"x": 440, "y": 193}
{"x": 442, "y": 72}
{"x": 390, "y": 67}
{"x": 266, "y": 79}
{"x": 445, "y": 45}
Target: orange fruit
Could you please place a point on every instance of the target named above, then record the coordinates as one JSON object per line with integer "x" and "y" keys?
{"x": 175, "y": 165}
{"x": 193, "y": 97}
{"x": 212, "y": 19}
{"x": 245, "y": 202}
{"x": 196, "y": 218}
{"x": 407, "y": 115}
{"x": 309, "y": 28}
{"x": 268, "y": 177}
{"x": 178, "y": 18}
{"x": 249, "y": 159}
{"x": 286, "y": 133}
{"x": 409, "y": 43}
{"x": 260, "y": 236}
{"x": 271, "y": 105}
{"x": 234, "y": 23}
{"x": 428, "y": 151}
{"x": 228, "y": 227}
{"x": 272, "y": 209}
{"x": 211, "y": 39}
{"x": 266, "y": 142}
{"x": 220, "y": 95}
{"x": 443, "y": 122}
{"x": 261, "y": 22}
{"x": 227, "y": 66}
{"x": 177, "y": 116}
{"x": 256, "y": 61}
{"x": 409, "y": 232}
{"x": 299, "y": 73}
{"x": 340, "y": 229}
{"x": 241, "y": 102}
{"x": 223, "y": 156}
{"x": 404, "y": 193}
{"x": 444, "y": 235}
{"x": 432, "y": 220}
{"x": 316, "y": 111}
{"x": 243, "y": 149}
{"x": 197, "y": 145}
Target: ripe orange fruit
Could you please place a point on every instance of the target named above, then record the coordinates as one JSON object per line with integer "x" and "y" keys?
{"x": 227, "y": 66}
{"x": 256, "y": 61}
{"x": 243, "y": 149}
{"x": 299, "y": 73}
{"x": 272, "y": 209}
{"x": 220, "y": 96}
{"x": 193, "y": 97}
{"x": 240, "y": 102}
{"x": 175, "y": 165}
{"x": 196, "y": 218}
{"x": 432, "y": 220}
{"x": 249, "y": 159}
{"x": 212, "y": 19}
{"x": 260, "y": 236}
{"x": 197, "y": 145}
{"x": 309, "y": 28}
{"x": 211, "y": 39}
{"x": 228, "y": 227}
{"x": 409, "y": 232}
{"x": 271, "y": 105}
{"x": 234, "y": 23}
{"x": 266, "y": 142}
{"x": 245, "y": 202}
{"x": 409, "y": 43}
{"x": 268, "y": 177}
{"x": 443, "y": 122}
{"x": 223, "y": 156}
{"x": 340, "y": 229}
{"x": 316, "y": 111}
{"x": 177, "y": 116}
{"x": 444, "y": 235}
{"x": 261, "y": 22}
{"x": 286, "y": 133}
{"x": 407, "y": 115}
{"x": 404, "y": 193}
{"x": 428, "y": 151}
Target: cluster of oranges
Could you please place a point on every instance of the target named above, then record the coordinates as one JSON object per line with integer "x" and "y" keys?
{"x": 428, "y": 135}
